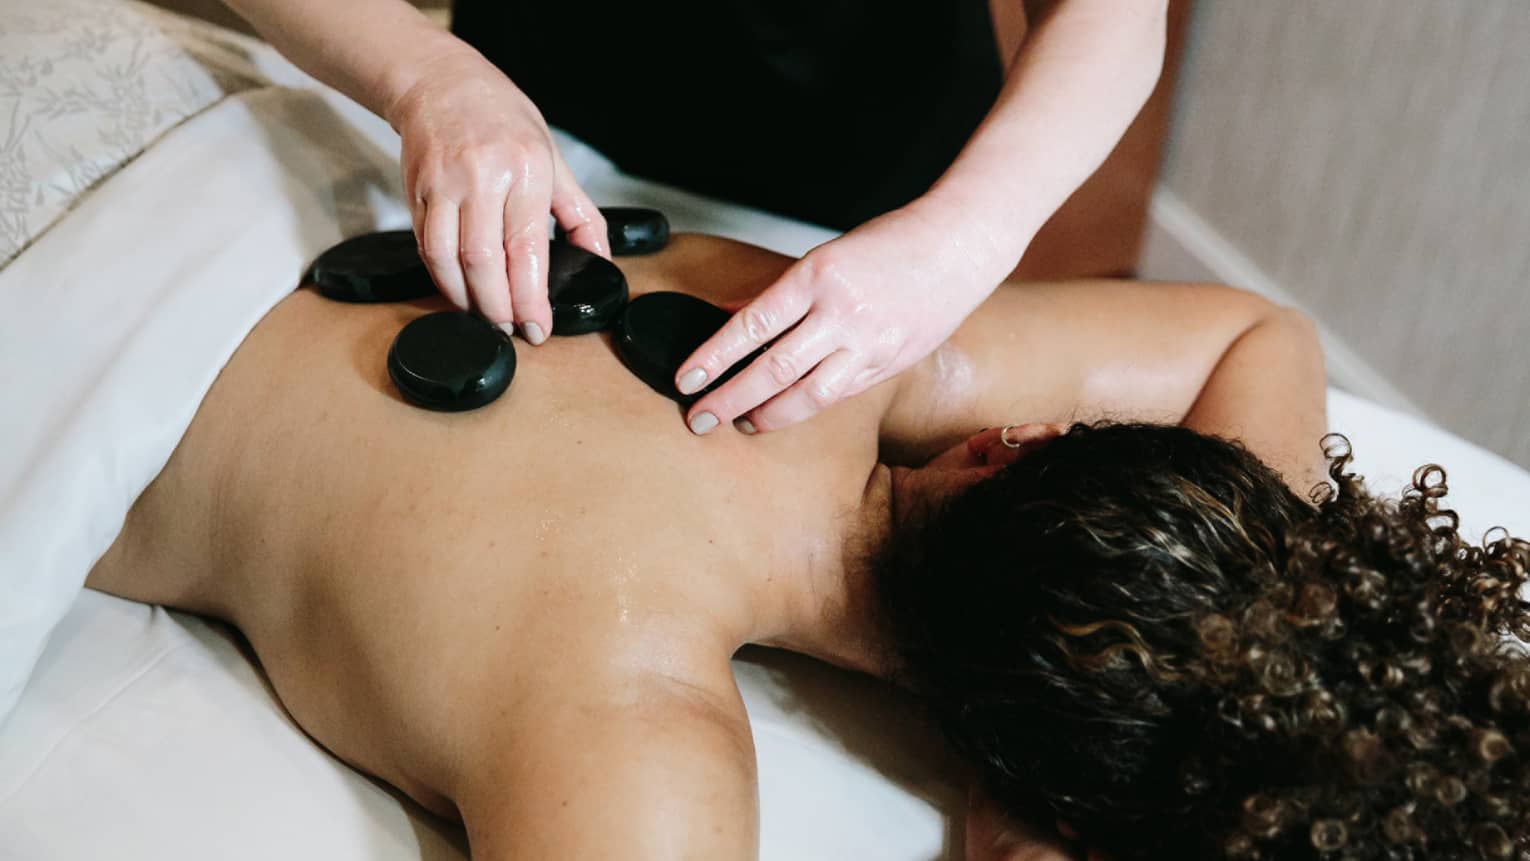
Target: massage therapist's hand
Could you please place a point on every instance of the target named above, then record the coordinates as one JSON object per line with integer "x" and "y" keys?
{"x": 854, "y": 312}
{"x": 481, "y": 174}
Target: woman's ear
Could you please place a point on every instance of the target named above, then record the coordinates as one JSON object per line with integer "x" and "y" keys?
{"x": 1003, "y": 446}
{"x": 992, "y": 836}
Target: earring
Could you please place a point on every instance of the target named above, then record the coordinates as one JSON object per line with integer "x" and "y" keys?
{"x": 1004, "y": 437}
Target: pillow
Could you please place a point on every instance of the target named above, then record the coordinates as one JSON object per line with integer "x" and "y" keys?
{"x": 134, "y": 182}
{"x": 85, "y": 86}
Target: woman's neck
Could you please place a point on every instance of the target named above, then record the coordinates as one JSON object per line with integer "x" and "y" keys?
{"x": 831, "y": 612}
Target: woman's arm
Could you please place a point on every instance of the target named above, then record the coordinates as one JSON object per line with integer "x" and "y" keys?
{"x": 1219, "y": 360}
{"x": 636, "y": 768}
{"x": 1269, "y": 390}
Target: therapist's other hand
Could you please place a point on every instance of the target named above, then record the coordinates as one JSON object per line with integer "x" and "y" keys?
{"x": 853, "y": 312}
{"x": 481, "y": 174}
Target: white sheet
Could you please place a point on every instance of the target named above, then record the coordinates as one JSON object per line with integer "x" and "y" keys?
{"x": 155, "y": 730}
{"x": 148, "y": 735}
{"x": 119, "y": 317}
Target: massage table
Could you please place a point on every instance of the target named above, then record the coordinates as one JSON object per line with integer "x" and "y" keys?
{"x": 135, "y": 732}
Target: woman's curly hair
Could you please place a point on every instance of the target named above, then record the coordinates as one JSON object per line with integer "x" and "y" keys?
{"x": 1141, "y": 631}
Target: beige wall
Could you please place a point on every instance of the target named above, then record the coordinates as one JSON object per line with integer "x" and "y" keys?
{"x": 1372, "y": 159}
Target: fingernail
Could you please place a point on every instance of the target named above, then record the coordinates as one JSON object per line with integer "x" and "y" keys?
{"x": 745, "y": 426}
{"x": 534, "y": 333}
{"x": 507, "y": 328}
{"x": 703, "y": 423}
{"x": 691, "y": 381}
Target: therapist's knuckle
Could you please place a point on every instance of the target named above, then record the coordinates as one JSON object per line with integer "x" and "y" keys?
{"x": 482, "y": 257}
{"x": 522, "y": 239}
{"x": 782, "y": 367}
{"x": 478, "y": 157}
{"x": 580, "y": 214}
{"x": 757, "y": 324}
{"x": 824, "y": 393}
{"x": 454, "y": 179}
{"x": 432, "y": 164}
{"x": 826, "y": 268}
{"x": 529, "y": 161}
{"x": 438, "y": 252}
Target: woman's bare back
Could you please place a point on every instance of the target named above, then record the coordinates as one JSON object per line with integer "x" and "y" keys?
{"x": 525, "y": 613}
{"x": 411, "y": 579}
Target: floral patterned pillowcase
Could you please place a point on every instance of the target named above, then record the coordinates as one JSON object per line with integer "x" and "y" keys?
{"x": 87, "y": 85}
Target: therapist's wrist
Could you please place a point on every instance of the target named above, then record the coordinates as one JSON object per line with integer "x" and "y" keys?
{"x": 993, "y": 228}
{"x": 434, "y": 52}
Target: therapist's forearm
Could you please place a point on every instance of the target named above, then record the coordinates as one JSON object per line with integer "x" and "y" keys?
{"x": 371, "y": 50}
{"x": 1080, "y": 79}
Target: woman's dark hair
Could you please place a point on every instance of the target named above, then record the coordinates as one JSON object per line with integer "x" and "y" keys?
{"x": 1140, "y": 631}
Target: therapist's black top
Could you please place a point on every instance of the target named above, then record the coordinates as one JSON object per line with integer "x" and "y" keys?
{"x": 831, "y": 111}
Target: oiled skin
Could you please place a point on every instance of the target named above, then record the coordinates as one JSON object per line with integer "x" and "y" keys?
{"x": 523, "y": 615}
{"x": 407, "y": 577}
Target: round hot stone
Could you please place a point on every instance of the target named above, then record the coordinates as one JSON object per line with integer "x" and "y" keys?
{"x": 633, "y": 229}
{"x": 451, "y": 361}
{"x": 659, "y": 331}
{"x": 373, "y": 267}
{"x": 586, "y": 290}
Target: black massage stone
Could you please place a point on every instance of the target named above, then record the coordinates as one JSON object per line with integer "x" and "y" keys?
{"x": 451, "y": 361}
{"x": 633, "y": 229}
{"x": 373, "y": 267}
{"x": 587, "y": 291}
{"x": 658, "y": 331}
